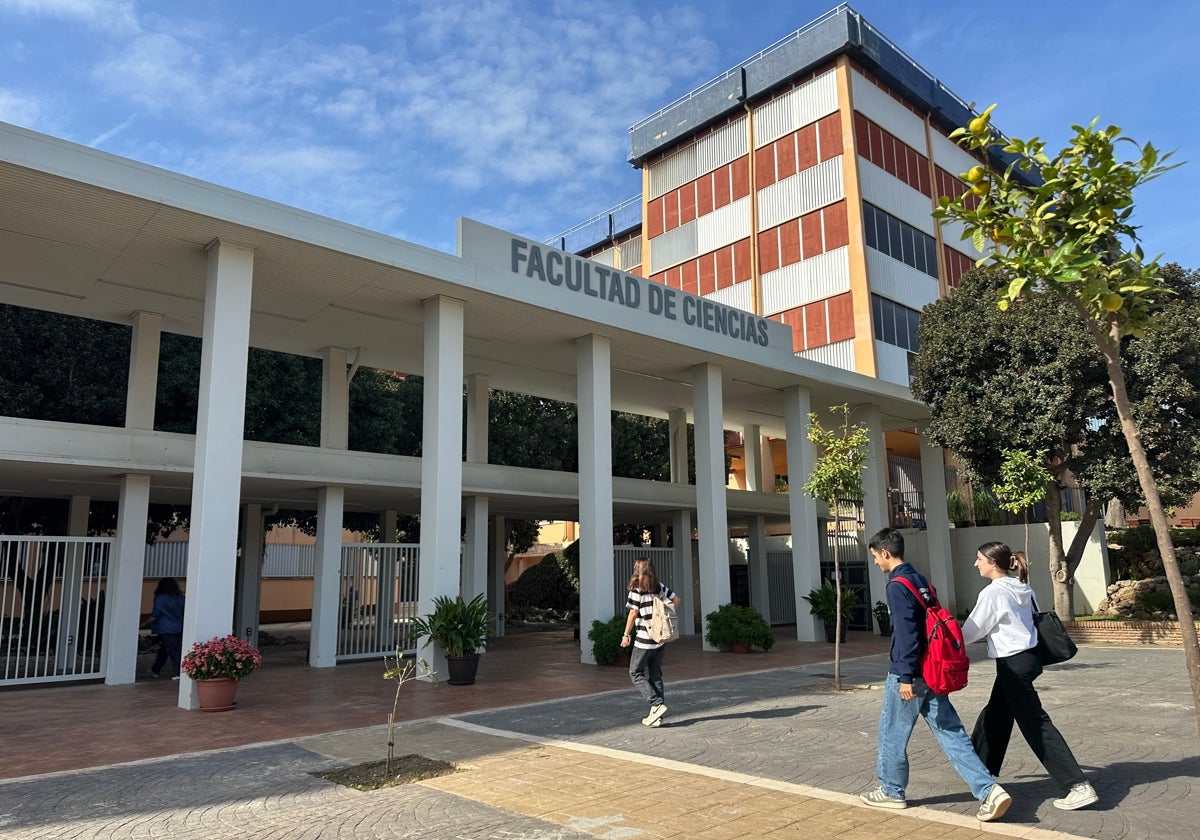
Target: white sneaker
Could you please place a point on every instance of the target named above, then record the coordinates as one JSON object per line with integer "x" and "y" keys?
{"x": 655, "y": 716}
{"x": 878, "y": 799}
{"x": 994, "y": 804}
{"x": 1080, "y": 796}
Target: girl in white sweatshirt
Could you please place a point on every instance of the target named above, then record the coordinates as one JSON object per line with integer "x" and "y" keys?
{"x": 1004, "y": 615}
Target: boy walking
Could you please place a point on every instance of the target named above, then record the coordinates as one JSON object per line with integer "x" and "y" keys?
{"x": 905, "y": 696}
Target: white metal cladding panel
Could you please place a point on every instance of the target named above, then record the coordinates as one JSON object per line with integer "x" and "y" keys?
{"x": 900, "y": 282}
{"x": 673, "y": 247}
{"x": 721, "y": 227}
{"x": 795, "y": 109}
{"x": 801, "y": 193}
{"x": 952, "y": 232}
{"x": 825, "y": 275}
{"x": 889, "y": 193}
{"x": 631, "y": 253}
{"x": 949, "y": 156}
{"x": 839, "y": 354}
{"x": 605, "y": 257}
{"x": 724, "y": 145}
{"x": 891, "y": 363}
{"x": 887, "y": 113}
{"x": 738, "y": 296}
{"x": 673, "y": 171}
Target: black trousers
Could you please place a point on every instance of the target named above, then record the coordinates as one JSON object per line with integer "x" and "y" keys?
{"x": 1015, "y": 699}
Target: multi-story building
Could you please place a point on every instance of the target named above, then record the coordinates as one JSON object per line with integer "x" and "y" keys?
{"x": 800, "y": 185}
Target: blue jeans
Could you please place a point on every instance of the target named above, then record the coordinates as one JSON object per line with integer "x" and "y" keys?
{"x": 645, "y": 669}
{"x": 896, "y": 722}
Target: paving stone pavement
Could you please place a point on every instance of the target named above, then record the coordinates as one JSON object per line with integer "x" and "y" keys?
{"x": 771, "y": 754}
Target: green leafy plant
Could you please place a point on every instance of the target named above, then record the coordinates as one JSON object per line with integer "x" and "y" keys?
{"x": 1023, "y": 482}
{"x": 882, "y": 617}
{"x": 605, "y": 637}
{"x": 836, "y": 479}
{"x": 956, "y": 507}
{"x": 731, "y": 623}
{"x": 402, "y": 671}
{"x": 460, "y": 627}
{"x": 823, "y": 603}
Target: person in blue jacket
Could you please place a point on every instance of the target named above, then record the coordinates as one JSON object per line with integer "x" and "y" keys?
{"x": 905, "y": 696}
{"x": 166, "y": 621}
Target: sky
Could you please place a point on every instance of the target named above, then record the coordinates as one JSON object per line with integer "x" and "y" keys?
{"x": 402, "y": 116}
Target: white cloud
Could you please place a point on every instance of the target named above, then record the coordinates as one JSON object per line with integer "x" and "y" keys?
{"x": 20, "y": 110}
{"x": 107, "y": 15}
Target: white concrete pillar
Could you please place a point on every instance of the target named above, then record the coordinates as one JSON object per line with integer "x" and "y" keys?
{"x": 802, "y": 509}
{"x": 475, "y": 552}
{"x": 123, "y": 594}
{"x": 596, "y": 586}
{"x": 712, "y": 525}
{"x": 499, "y": 549}
{"x": 477, "y": 418}
{"x": 681, "y": 560}
{"x": 658, "y": 535}
{"x": 72, "y": 580}
{"x": 217, "y": 478}
{"x": 937, "y": 522}
{"x": 143, "y": 370}
{"x": 441, "y": 462}
{"x": 327, "y": 578}
{"x": 752, "y": 458}
{"x": 249, "y": 590}
{"x": 876, "y": 505}
{"x": 677, "y": 423}
{"x": 335, "y": 398}
{"x": 389, "y": 526}
{"x": 760, "y": 596}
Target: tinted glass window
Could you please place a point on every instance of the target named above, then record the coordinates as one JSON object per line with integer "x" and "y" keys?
{"x": 909, "y": 255}
{"x": 889, "y": 322}
{"x": 896, "y": 249}
{"x": 877, "y": 316}
{"x": 914, "y": 321}
{"x": 869, "y": 225}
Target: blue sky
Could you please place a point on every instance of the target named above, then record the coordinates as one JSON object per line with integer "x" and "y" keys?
{"x": 401, "y": 116}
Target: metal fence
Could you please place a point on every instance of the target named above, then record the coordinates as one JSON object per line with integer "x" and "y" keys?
{"x": 52, "y": 608}
{"x": 377, "y": 600}
{"x": 623, "y": 557}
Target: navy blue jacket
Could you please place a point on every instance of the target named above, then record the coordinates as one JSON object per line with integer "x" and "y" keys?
{"x": 908, "y": 623}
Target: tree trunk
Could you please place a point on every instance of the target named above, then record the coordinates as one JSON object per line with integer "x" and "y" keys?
{"x": 1110, "y": 346}
{"x": 1114, "y": 515}
{"x": 837, "y": 583}
{"x": 1091, "y": 515}
{"x": 1060, "y": 576}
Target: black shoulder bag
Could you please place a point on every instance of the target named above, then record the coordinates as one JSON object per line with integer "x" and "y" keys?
{"x": 1053, "y": 643}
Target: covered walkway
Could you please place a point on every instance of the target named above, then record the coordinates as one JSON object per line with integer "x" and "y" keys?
{"x": 49, "y": 729}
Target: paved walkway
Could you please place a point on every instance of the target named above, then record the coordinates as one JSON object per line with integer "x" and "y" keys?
{"x": 768, "y": 754}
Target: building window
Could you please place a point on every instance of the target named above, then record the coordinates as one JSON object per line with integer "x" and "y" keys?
{"x": 895, "y": 324}
{"x": 899, "y": 240}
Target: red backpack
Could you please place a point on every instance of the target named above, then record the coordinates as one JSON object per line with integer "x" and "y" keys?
{"x": 944, "y": 663}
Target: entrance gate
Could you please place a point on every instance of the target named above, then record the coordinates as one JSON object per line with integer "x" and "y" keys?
{"x": 52, "y": 608}
{"x": 377, "y": 600}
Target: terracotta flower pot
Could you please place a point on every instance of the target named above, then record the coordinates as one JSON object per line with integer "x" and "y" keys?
{"x": 739, "y": 647}
{"x": 217, "y": 695}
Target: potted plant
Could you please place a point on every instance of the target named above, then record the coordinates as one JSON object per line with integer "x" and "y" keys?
{"x": 883, "y": 618}
{"x": 606, "y": 640}
{"x": 216, "y": 666}
{"x": 987, "y": 509}
{"x": 956, "y": 509}
{"x": 462, "y": 628}
{"x": 823, "y": 604}
{"x": 739, "y": 627}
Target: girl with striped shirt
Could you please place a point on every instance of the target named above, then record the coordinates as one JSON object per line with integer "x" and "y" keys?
{"x": 645, "y": 663}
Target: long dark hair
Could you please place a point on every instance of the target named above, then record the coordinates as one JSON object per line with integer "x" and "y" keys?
{"x": 1006, "y": 559}
{"x": 644, "y": 579}
{"x": 167, "y": 586}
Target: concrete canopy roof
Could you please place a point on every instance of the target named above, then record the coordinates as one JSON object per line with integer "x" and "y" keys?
{"x": 87, "y": 233}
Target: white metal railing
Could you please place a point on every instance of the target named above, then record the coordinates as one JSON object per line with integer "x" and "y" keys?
{"x": 781, "y": 587}
{"x": 52, "y": 608}
{"x": 166, "y": 559}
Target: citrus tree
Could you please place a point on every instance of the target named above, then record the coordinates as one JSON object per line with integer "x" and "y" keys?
{"x": 836, "y": 479}
{"x": 1063, "y": 224}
